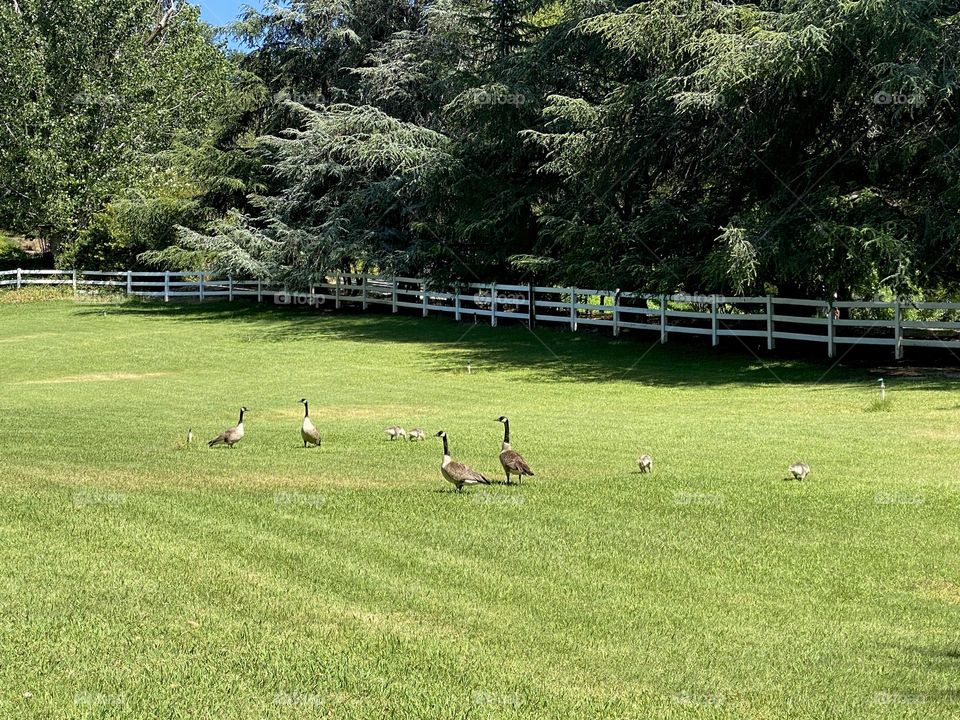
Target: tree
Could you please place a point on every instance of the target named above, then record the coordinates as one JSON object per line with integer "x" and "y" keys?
{"x": 803, "y": 146}
{"x": 92, "y": 98}
{"x": 737, "y": 145}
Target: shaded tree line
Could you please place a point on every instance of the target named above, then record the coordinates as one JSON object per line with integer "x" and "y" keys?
{"x": 795, "y": 146}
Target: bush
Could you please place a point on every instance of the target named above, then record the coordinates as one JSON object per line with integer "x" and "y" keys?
{"x": 12, "y": 256}
{"x": 125, "y": 228}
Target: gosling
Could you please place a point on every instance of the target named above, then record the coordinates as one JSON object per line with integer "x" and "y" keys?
{"x": 799, "y": 470}
{"x": 417, "y": 434}
{"x": 645, "y": 463}
{"x": 395, "y": 432}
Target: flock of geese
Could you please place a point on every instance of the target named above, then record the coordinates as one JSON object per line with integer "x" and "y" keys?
{"x": 455, "y": 472}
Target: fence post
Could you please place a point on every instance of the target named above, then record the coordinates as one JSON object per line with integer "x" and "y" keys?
{"x": 714, "y": 321}
{"x": 616, "y": 313}
{"x": 771, "y": 342}
{"x": 336, "y": 292}
{"x": 493, "y": 304}
{"x": 130, "y": 282}
{"x": 831, "y": 332}
{"x": 663, "y": 319}
{"x": 456, "y": 303}
{"x": 74, "y": 281}
{"x": 531, "y": 306}
{"x": 19, "y": 278}
{"x": 166, "y": 286}
{"x": 230, "y": 288}
{"x": 203, "y": 286}
{"x": 898, "y": 330}
{"x": 363, "y": 291}
{"x": 573, "y": 309}
{"x": 259, "y": 290}
{"x": 393, "y": 296}
{"x": 423, "y": 289}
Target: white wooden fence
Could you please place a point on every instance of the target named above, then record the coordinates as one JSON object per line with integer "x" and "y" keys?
{"x": 896, "y": 324}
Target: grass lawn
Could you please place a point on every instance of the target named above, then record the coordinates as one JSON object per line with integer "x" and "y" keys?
{"x": 142, "y": 577}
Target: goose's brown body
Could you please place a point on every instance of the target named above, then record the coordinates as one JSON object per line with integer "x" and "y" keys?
{"x": 512, "y": 462}
{"x": 456, "y": 472}
{"x": 230, "y": 436}
{"x": 308, "y": 431}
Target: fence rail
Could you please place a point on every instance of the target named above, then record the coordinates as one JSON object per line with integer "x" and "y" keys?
{"x": 896, "y": 324}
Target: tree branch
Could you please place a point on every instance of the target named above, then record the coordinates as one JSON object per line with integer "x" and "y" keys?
{"x": 168, "y": 10}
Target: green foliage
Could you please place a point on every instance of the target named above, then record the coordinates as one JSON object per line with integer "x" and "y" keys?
{"x": 89, "y": 107}
{"x": 880, "y": 405}
{"x": 346, "y": 176}
{"x": 667, "y": 145}
{"x": 11, "y": 256}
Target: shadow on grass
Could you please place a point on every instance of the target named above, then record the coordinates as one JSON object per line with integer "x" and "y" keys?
{"x": 549, "y": 352}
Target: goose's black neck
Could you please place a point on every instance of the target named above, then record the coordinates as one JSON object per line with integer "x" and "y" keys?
{"x": 306, "y": 409}
{"x": 241, "y": 416}
{"x": 506, "y": 431}
{"x": 446, "y": 448}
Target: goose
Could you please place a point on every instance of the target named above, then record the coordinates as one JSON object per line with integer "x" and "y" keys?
{"x": 513, "y": 463}
{"x": 395, "y": 432}
{"x": 645, "y": 463}
{"x": 417, "y": 434}
{"x": 309, "y": 433}
{"x": 456, "y": 472}
{"x": 189, "y": 435}
{"x": 230, "y": 436}
{"x": 799, "y": 470}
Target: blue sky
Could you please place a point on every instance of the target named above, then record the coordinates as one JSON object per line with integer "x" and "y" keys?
{"x": 220, "y": 12}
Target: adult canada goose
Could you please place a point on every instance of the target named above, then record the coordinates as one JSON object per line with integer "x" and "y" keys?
{"x": 189, "y": 435}
{"x": 799, "y": 470}
{"x": 417, "y": 434}
{"x": 512, "y": 463}
{"x": 309, "y": 433}
{"x": 230, "y": 436}
{"x": 395, "y": 432}
{"x": 456, "y": 472}
{"x": 645, "y": 463}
